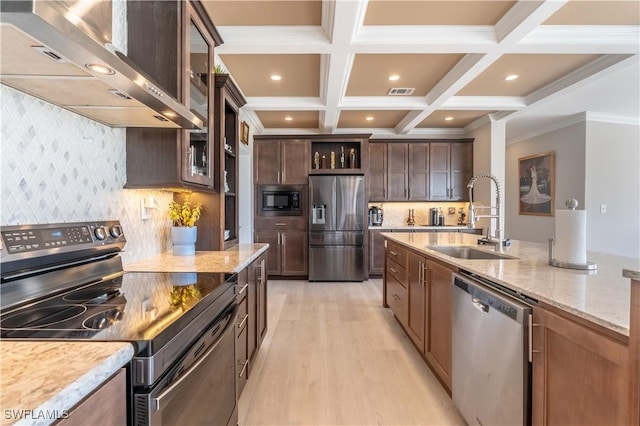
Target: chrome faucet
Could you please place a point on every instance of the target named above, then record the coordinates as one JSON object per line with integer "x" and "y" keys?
{"x": 498, "y": 238}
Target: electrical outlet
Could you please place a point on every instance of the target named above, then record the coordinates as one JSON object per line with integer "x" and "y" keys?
{"x": 603, "y": 208}
{"x": 452, "y": 210}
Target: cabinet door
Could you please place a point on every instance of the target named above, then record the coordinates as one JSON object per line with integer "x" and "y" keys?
{"x": 252, "y": 310}
{"x": 294, "y": 247}
{"x": 418, "y": 171}
{"x": 198, "y": 87}
{"x": 417, "y": 294}
{"x": 580, "y": 377}
{"x": 266, "y": 159}
{"x": 377, "y": 172}
{"x": 439, "y": 171}
{"x": 294, "y": 162}
{"x": 376, "y": 252}
{"x": 262, "y": 283}
{"x": 273, "y": 259}
{"x": 397, "y": 171}
{"x": 438, "y": 344}
{"x": 461, "y": 170}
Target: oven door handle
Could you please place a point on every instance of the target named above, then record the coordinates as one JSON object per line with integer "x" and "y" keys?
{"x": 204, "y": 356}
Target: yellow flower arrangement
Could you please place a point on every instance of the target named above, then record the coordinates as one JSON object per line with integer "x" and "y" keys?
{"x": 185, "y": 214}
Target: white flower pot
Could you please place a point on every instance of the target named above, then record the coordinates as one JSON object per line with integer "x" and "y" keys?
{"x": 184, "y": 240}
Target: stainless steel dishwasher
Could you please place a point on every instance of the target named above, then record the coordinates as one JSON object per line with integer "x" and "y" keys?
{"x": 491, "y": 363}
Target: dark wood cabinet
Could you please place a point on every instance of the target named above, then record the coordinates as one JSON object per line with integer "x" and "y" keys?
{"x": 397, "y": 171}
{"x": 287, "y": 251}
{"x": 261, "y": 301}
{"x": 243, "y": 320}
{"x": 450, "y": 169}
{"x": 439, "y": 310}
{"x": 377, "y": 185}
{"x": 580, "y": 375}
{"x": 176, "y": 50}
{"x": 417, "y": 303}
{"x": 228, "y": 101}
{"x": 376, "y": 252}
{"x": 281, "y": 161}
{"x": 420, "y": 170}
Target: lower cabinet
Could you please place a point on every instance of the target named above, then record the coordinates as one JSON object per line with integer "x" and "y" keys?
{"x": 418, "y": 291}
{"x": 439, "y": 309}
{"x": 376, "y": 252}
{"x": 580, "y": 376}
{"x": 106, "y": 406}
{"x": 251, "y": 325}
{"x": 287, "y": 251}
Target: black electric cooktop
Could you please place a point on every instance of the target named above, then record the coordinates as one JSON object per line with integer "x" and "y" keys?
{"x": 143, "y": 308}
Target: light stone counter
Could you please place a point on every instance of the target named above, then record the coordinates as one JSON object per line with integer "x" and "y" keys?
{"x": 602, "y": 297}
{"x": 418, "y": 228}
{"x": 235, "y": 259}
{"x": 50, "y": 378}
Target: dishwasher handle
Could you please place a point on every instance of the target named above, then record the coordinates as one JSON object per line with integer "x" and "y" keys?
{"x": 480, "y": 304}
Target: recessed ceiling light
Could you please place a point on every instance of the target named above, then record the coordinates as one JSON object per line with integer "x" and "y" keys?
{"x": 288, "y": 118}
{"x": 511, "y": 77}
{"x": 449, "y": 118}
{"x": 394, "y": 77}
{"x": 276, "y": 77}
{"x": 100, "y": 69}
{"x": 369, "y": 118}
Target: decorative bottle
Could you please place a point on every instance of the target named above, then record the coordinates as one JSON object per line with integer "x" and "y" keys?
{"x": 342, "y": 158}
{"x": 333, "y": 159}
{"x": 316, "y": 160}
{"x": 324, "y": 162}
{"x": 352, "y": 158}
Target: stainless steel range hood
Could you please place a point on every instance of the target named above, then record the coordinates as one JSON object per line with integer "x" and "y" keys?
{"x": 48, "y": 49}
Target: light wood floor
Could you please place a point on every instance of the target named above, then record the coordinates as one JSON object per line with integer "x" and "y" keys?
{"x": 334, "y": 356}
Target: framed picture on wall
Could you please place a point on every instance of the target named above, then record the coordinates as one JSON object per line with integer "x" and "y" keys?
{"x": 244, "y": 132}
{"x": 537, "y": 184}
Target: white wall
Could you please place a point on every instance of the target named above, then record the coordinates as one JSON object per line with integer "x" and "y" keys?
{"x": 56, "y": 166}
{"x": 568, "y": 144}
{"x": 613, "y": 179}
{"x": 245, "y": 196}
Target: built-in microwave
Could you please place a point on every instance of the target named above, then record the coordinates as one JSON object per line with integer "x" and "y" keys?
{"x": 280, "y": 200}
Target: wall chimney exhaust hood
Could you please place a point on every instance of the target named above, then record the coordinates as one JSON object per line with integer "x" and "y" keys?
{"x": 56, "y": 51}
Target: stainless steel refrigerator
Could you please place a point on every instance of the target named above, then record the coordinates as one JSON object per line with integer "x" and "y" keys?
{"x": 336, "y": 228}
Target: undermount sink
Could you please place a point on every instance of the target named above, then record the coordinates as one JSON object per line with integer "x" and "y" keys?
{"x": 467, "y": 252}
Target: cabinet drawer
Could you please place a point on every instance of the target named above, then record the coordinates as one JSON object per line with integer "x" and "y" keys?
{"x": 281, "y": 223}
{"x": 242, "y": 362}
{"x": 397, "y": 299}
{"x": 397, "y": 253}
{"x": 397, "y": 271}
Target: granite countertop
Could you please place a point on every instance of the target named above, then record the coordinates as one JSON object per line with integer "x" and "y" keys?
{"x": 602, "y": 296}
{"x": 52, "y": 377}
{"x": 232, "y": 260}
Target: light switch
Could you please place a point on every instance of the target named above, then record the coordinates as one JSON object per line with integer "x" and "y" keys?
{"x": 603, "y": 208}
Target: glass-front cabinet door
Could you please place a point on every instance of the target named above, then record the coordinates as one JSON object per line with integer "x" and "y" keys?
{"x": 197, "y": 161}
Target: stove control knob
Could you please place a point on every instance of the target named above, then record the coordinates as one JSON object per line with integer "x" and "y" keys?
{"x": 115, "y": 231}
{"x": 100, "y": 233}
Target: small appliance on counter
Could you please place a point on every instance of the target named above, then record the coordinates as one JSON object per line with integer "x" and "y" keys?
{"x": 375, "y": 216}
{"x": 433, "y": 214}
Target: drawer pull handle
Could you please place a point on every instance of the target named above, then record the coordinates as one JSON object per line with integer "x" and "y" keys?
{"x": 393, "y": 253}
{"x": 244, "y": 368}
{"x": 242, "y": 290}
{"x": 393, "y": 270}
{"x": 280, "y": 224}
{"x": 244, "y": 320}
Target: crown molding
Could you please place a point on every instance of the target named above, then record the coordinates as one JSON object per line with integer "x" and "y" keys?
{"x": 612, "y": 118}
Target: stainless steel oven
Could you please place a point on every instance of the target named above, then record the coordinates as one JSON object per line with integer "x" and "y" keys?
{"x": 190, "y": 393}
{"x": 66, "y": 282}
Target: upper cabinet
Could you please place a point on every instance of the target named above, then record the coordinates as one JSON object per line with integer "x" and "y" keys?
{"x": 280, "y": 161}
{"x": 174, "y": 42}
{"x": 420, "y": 170}
{"x": 450, "y": 169}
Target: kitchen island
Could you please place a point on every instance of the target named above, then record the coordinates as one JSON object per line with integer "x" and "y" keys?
{"x": 580, "y": 324}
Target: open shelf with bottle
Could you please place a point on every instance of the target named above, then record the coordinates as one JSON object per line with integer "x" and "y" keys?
{"x": 339, "y": 155}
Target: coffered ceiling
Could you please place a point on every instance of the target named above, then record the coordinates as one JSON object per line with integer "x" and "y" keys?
{"x": 451, "y": 58}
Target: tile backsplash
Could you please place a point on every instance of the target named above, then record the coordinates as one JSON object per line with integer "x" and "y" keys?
{"x": 57, "y": 166}
{"x": 396, "y": 214}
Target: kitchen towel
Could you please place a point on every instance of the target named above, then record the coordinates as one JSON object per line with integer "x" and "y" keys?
{"x": 571, "y": 236}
